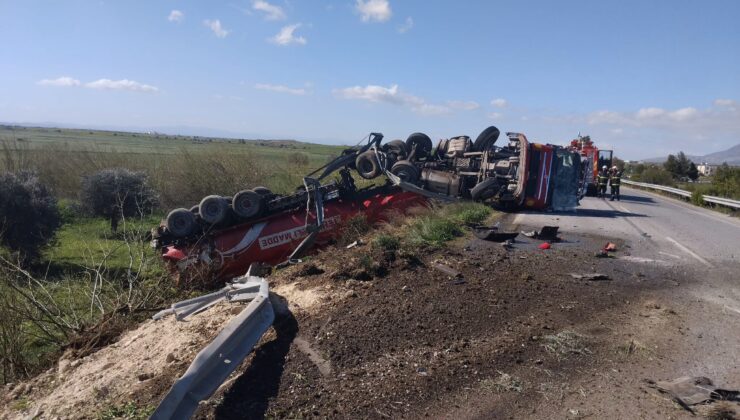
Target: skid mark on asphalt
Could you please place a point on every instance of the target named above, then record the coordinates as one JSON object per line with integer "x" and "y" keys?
{"x": 624, "y": 209}
{"x": 688, "y": 251}
{"x": 670, "y": 255}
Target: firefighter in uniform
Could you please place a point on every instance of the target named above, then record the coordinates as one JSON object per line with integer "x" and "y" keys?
{"x": 603, "y": 181}
{"x": 614, "y": 180}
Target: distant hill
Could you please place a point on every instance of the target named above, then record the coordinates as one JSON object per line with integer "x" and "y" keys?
{"x": 731, "y": 156}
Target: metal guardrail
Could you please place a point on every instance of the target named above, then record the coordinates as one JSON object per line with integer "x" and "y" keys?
{"x": 218, "y": 360}
{"x": 735, "y": 204}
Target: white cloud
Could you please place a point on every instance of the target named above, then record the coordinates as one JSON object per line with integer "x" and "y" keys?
{"x": 406, "y": 26}
{"x": 495, "y": 115}
{"x": 286, "y": 37}
{"x": 724, "y": 102}
{"x": 393, "y": 95}
{"x": 123, "y": 84}
{"x": 280, "y": 88}
{"x": 215, "y": 26}
{"x": 374, "y": 10}
{"x": 63, "y": 81}
{"x": 271, "y": 11}
{"x": 499, "y": 103}
{"x": 176, "y": 16}
{"x": 463, "y": 105}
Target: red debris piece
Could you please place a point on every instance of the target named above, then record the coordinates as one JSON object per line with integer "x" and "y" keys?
{"x": 544, "y": 245}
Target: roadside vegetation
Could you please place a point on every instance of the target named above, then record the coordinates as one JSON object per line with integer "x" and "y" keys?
{"x": 76, "y": 209}
{"x": 76, "y": 268}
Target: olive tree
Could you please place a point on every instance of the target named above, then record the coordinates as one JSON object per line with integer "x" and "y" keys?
{"x": 29, "y": 216}
{"x": 117, "y": 193}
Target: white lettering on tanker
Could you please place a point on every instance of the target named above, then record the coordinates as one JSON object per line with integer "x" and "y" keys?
{"x": 286, "y": 236}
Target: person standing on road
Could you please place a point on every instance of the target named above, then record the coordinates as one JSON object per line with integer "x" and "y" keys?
{"x": 603, "y": 180}
{"x": 614, "y": 181}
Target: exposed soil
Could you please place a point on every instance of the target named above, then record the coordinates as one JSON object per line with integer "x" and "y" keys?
{"x": 377, "y": 334}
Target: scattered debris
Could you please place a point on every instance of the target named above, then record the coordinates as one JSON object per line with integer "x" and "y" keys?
{"x": 590, "y": 276}
{"x": 545, "y": 245}
{"x": 548, "y": 233}
{"x": 492, "y": 233}
{"x": 610, "y": 247}
{"x": 688, "y": 391}
{"x": 508, "y": 244}
{"x": 355, "y": 244}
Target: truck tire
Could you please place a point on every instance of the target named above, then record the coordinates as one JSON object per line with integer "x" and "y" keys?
{"x": 262, "y": 190}
{"x": 406, "y": 171}
{"x": 486, "y": 139}
{"x": 591, "y": 190}
{"x": 248, "y": 204}
{"x": 422, "y": 142}
{"x": 213, "y": 209}
{"x": 180, "y": 222}
{"x": 484, "y": 189}
{"x": 397, "y": 148}
{"x": 367, "y": 165}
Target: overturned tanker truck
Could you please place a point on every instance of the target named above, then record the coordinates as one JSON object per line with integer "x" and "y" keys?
{"x": 222, "y": 236}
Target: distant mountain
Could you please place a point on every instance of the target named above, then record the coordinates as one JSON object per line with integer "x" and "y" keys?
{"x": 731, "y": 156}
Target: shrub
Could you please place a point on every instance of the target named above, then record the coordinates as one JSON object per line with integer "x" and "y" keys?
{"x": 386, "y": 242}
{"x": 116, "y": 194}
{"x": 29, "y": 216}
{"x": 697, "y": 198}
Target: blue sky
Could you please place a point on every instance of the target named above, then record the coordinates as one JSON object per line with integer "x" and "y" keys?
{"x": 644, "y": 77}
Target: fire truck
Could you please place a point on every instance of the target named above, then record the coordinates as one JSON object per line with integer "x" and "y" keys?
{"x": 593, "y": 160}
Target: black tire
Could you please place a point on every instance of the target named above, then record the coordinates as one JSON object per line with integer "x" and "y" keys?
{"x": 213, "y": 209}
{"x": 262, "y": 190}
{"x": 422, "y": 142}
{"x": 248, "y": 204}
{"x": 591, "y": 190}
{"x": 486, "y": 139}
{"x": 406, "y": 171}
{"x": 180, "y": 222}
{"x": 194, "y": 209}
{"x": 367, "y": 165}
{"x": 484, "y": 189}
{"x": 397, "y": 148}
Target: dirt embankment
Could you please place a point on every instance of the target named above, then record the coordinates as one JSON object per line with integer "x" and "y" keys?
{"x": 387, "y": 335}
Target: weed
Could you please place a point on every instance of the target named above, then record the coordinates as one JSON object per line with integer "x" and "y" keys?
{"x": 127, "y": 411}
{"x": 433, "y": 230}
{"x": 468, "y": 213}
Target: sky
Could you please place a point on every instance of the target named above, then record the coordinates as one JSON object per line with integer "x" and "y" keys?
{"x": 645, "y": 78}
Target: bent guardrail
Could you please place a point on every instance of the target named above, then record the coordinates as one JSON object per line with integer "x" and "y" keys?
{"x": 735, "y": 204}
{"x": 218, "y": 360}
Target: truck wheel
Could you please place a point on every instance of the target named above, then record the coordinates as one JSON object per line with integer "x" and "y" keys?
{"x": 406, "y": 171}
{"x": 262, "y": 190}
{"x": 422, "y": 142}
{"x": 247, "y": 203}
{"x": 396, "y": 147}
{"x": 590, "y": 190}
{"x": 194, "y": 209}
{"x": 484, "y": 189}
{"x": 213, "y": 209}
{"x": 486, "y": 139}
{"x": 180, "y": 222}
{"x": 367, "y": 165}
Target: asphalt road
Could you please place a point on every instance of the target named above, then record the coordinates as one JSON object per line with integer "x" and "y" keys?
{"x": 689, "y": 258}
{"x": 658, "y": 228}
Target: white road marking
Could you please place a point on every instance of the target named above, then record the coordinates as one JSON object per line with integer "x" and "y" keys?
{"x": 621, "y": 207}
{"x": 688, "y": 251}
{"x": 670, "y": 255}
